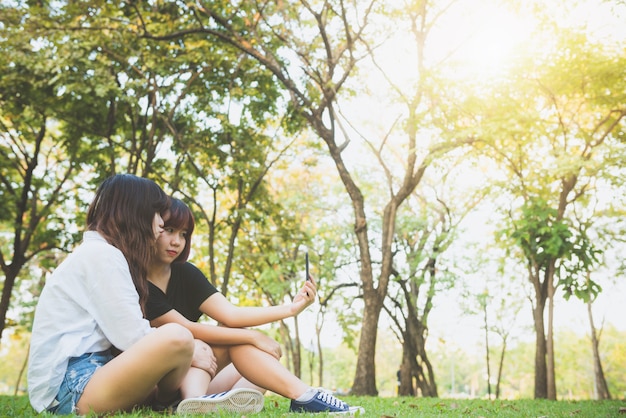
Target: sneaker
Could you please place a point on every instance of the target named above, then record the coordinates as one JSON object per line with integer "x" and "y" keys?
{"x": 236, "y": 400}
{"x": 168, "y": 409}
{"x": 324, "y": 401}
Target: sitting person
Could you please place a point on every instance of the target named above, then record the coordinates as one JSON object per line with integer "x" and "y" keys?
{"x": 246, "y": 358}
{"x": 90, "y": 309}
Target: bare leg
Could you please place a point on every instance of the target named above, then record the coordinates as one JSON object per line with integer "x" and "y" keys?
{"x": 230, "y": 378}
{"x": 266, "y": 371}
{"x": 161, "y": 358}
{"x": 196, "y": 383}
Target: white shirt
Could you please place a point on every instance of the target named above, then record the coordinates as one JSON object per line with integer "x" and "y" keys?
{"x": 87, "y": 305}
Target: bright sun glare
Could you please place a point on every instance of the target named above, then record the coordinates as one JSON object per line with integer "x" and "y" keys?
{"x": 488, "y": 49}
{"x": 474, "y": 38}
{"x": 485, "y": 36}
{"x": 483, "y": 39}
{"x": 479, "y": 39}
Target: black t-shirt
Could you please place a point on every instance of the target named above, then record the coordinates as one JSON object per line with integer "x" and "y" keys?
{"x": 187, "y": 290}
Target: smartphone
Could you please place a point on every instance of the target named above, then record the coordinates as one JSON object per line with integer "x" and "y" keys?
{"x": 306, "y": 258}
{"x": 306, "y": 262}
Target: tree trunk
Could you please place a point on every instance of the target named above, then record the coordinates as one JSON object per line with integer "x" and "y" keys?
{"x": 486, "y": 319}
{"x": 320, "y": 353}
{"x": 500, "y": 367}
{"x": 297, "y": 351}
{"x": 424, "y": 373}
{"x": 541, "y": 383}
{"x": 365, "y": 376}
{"x": 417, "y": 373}
{"x": 289, "y": 346}
{"x": 5, "y": 300}
{"x": 407, "y": 387}
{"x": 551, "y": 369}
{"x": 602, "y": 387}
{"x": 426, "y": 377}
{"x": 21, "y": 374}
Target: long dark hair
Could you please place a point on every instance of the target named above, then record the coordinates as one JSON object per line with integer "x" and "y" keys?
{"x": 180, "y": 217}
{"x": 123, "y": 212}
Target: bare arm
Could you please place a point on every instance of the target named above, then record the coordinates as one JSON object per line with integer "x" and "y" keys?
{"x": 219, "y": 308}
{"x": 217, "y": 335}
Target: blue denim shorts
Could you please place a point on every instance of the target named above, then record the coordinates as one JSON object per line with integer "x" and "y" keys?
{"x": 78, "y": 373}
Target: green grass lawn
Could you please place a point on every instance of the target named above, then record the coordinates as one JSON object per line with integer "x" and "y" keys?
{"x": 275, "y": 407}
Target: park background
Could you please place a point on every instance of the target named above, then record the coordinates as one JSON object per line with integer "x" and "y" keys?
{"x": 447, "y": 165}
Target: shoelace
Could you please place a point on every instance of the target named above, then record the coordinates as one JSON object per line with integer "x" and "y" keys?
{"x": 326, "y": 397}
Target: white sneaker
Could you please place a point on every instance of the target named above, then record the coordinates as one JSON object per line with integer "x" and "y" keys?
{"x": 236, "y": 400}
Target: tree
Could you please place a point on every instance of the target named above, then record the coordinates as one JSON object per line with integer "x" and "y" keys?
{"x": 78, "y": 92}
{"x": 570, "y": 112}
{"x": 39, "y": 149}
{"x": 602, "y": 388}
{"x": 427, "y": 227}
{"x": 499, "y": 309}
{"x": 327, "y": 62}
{"x": 144, "y": 106}
{"x": 502, "y": 328}
{"x": 414, "y": 299}
{"x": 312, "y": 50}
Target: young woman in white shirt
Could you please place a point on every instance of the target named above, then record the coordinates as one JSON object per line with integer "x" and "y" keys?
{"x": 92, "y": 350}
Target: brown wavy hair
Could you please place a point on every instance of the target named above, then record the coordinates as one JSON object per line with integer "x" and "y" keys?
{"x": 179, "y": 216}
{"x": 123, "y": 212}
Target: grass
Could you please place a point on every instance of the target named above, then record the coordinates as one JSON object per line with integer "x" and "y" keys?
{"x": 275, "y": 406}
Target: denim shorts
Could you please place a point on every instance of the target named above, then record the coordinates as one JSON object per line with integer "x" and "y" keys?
{"x": 78, "y": 373}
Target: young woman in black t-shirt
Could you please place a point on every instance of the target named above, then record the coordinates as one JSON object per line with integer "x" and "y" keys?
{"x": 228, "y": 356}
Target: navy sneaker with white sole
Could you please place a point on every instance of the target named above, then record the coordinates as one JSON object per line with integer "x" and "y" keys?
{"x": 324, "y": 401}
{"x": 237, "y": 400}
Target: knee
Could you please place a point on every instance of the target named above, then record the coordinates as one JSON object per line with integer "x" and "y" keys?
{"x": 178, "y": 338}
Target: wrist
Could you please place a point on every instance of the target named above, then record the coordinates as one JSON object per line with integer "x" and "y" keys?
{"x": 253, "y": 336}
{"x": 296, "y": 308}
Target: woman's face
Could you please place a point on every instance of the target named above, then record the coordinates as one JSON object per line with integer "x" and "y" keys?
{"x": 170, "y": 244}
{"x": 157, "y": 225}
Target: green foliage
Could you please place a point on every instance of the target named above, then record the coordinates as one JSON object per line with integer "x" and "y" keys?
{"x": 575, "y": 279}
{"x": 544, "y": 238}
{"x": 541, "y": 235}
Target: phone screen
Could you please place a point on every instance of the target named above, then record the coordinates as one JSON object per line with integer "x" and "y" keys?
{"x": 306, "y": 258}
